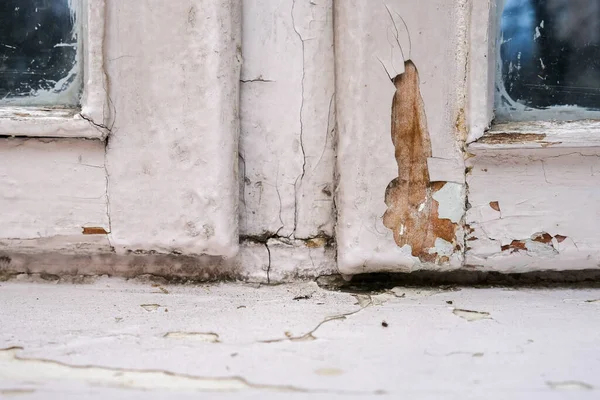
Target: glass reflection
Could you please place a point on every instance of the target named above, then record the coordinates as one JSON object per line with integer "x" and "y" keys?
{"x": 38, "y": 52}
{"x": 549, "y": 59}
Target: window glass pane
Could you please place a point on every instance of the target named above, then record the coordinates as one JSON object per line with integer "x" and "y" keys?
{"x": 39, "y": 52}
{"x": 549, "y": 60}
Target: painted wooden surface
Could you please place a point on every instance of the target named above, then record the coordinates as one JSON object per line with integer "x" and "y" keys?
{"x": 396, "y": 31}
{"x": 534, "y": 209}
{"x": 287, "y": 119}
{"x": 51, "y": 188}
{"x": 172, "y": 153}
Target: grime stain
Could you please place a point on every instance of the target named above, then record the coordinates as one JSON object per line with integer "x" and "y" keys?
{"x": 512, "y": 138}
{"x": 412, "y": 212}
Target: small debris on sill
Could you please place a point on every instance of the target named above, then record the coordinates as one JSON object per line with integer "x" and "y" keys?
{"x": 150, "y": 307}
{"x": 384, "y": 324}
{"x": 304, "y": 297}
{"x": 162, "y": 289}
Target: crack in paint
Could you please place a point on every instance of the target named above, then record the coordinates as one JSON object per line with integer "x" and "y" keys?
{"x": 309, "y": 336}
{"x": 298, "y": 183}
{"x": 41, "y": 369}
{"x": 256, "y": 80}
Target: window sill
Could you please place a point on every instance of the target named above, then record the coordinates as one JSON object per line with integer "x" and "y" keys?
{"x": 48, "y": 122}
{"x": 540, "y": 134}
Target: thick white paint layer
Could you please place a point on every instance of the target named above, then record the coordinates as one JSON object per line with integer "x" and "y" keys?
{"x": 366, "y": 162}
{"x": 553, "y": 191}
{"x": 295, "y": 341}
{"x": 51, "y": 188}
{"x": 482, "y": 66}
{"x": 287, "y": 119}
{"x": 172, "y": 154}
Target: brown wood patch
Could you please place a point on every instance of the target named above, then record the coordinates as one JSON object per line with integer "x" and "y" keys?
{"x": 94, "y": 231}
{"x": 412, "y": 213}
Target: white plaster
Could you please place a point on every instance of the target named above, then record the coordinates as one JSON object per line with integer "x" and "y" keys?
{"x": 545, "y": 349}
{"x": 365, "y": 162}
{"x": 172, "y": 154}
{"x": 451, "y": 204}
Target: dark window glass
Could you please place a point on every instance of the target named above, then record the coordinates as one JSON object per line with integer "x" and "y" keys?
{"x": 39, "y": 52}
{"x": 549, "y": 60}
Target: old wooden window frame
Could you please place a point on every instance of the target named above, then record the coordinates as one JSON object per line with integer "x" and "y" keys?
{"x": 90, "y": 119}
{"x": 483, "y": 134}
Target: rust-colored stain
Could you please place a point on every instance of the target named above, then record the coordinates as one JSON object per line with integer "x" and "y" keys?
{"x": 94, "y": 231}
{"x": 412, "y": 213}
{"x": 495, "y": 205}
{"x": 511, "y": 138}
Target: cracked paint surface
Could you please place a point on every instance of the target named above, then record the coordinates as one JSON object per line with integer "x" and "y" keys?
{"x": 530, "y": 209}
{"x": 122, "y": 350}
{"x": 287, "y": 120}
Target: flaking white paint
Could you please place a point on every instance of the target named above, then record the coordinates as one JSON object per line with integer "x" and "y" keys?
{"x": 365, "y": 162}
{"x": 287, "y": 119}
{"x": 451, "y": 202}
{"x": 547, "y": 190}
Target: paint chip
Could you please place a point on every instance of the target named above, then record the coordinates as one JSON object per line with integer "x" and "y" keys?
{"x": 150, "y": 307}
{"x": 560, "y": 238}
{"x": 495, "y": 205}
{"x": 195, "y": 336}
{"x": 471, "y": 315}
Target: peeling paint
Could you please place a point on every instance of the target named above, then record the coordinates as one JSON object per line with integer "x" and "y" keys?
{"x": 495, "y": 205}
{"x": 450, "y": 199}
{"x": 419, "y": 211}
{"x": 542, "y": 244}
